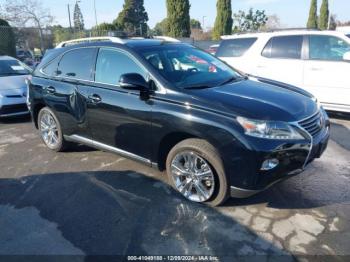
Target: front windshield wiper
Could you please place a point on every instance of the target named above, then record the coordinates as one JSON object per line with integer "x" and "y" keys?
{"x": 197, "y": 87}
{"x": 231, "y": 79}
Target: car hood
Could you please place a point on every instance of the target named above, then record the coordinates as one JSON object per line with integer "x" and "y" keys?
{"x": 257, "y": 100}
{"x": 8, "y": 83}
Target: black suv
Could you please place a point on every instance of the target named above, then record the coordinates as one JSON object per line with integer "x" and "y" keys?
{"x": 215, "y": 131}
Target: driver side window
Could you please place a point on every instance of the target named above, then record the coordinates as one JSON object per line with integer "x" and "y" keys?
{"x": 329, "y": 48}
{"x": 111, "y": 64}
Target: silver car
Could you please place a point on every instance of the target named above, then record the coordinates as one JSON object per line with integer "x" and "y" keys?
{"x": 13, "y": 88}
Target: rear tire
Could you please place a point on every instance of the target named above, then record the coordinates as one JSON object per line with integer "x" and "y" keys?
{"x": 50, "y": 130}
{"x": 195, "y": 169}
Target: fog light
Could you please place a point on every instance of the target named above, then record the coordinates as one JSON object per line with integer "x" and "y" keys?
{"x": 270, "y": 164}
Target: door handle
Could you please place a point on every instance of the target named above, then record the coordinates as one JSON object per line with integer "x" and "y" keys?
{"x": 50, "y": 89}
{"x": 316, "y": 69}
{"x": 261, "y": 66}
{"x": 95, "y": 99}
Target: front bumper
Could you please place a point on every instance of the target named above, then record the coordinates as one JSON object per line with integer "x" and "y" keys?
{"x": 293, "y": 160}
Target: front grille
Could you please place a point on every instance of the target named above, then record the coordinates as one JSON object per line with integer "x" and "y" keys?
{"x": 314, "y": 124}
{"x": 13, "y": 109}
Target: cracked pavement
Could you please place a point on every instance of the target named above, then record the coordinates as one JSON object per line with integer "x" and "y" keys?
{"x": 88, "y": 202}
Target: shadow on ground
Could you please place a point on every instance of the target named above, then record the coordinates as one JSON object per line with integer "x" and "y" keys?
{"x": 15, "y": 120}
{"x": 116, "y": 213}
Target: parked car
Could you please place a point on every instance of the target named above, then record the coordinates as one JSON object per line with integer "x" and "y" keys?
{"x": 317, "y": 61}
{"x": 215, "y": 132}
{"x": 13, "y": 88}
{"x": 26, "y": 57}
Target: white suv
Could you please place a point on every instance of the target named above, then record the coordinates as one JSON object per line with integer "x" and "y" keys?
{"x": 318, "y": 61}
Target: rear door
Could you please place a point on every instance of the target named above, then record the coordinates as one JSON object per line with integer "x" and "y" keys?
{"x": 281, "y": 60}
{"x": 68, "y": 94}
{"x": 326, "y": 73}
{"x": 119, "y": 118}
{"x": 233, "y": 51}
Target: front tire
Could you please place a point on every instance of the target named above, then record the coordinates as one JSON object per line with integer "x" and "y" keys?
{"x": 50, "y": 130}
{"x": 195, "y": 170}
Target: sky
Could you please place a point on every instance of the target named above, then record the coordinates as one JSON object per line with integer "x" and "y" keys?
{"x": 293, "y": 13}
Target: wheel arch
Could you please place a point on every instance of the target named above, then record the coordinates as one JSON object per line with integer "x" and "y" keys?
{"x": 167, "y": 143}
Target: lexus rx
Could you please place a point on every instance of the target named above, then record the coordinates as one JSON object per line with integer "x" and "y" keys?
{"x": 169, "y": 105}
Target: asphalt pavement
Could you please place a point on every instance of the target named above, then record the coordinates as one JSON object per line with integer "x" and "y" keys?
{"x": 87, "y": 202}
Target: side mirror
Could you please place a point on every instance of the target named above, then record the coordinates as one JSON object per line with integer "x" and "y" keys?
{"x": 133, "y": 82}
{"x": 346, "y": 57}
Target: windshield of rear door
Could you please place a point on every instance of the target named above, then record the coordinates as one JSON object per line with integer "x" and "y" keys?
{"x": 187, "y": 67}
{"x": 12, "y": 67}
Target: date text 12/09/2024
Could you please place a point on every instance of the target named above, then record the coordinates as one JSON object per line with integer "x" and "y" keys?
{"x": 173, "y": 258}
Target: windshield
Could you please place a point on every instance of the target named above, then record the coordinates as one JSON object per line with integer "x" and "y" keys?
{"x": 187, "y": 67}
{"x": 13, "y": 67}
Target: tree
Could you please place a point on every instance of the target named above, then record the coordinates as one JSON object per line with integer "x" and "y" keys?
{"x": 251, "y": 21}
{"x": 60, "y": 34}
{"x": 224, "y": 21}
{"x": 332, "y": 23}
{"x": 195, "y": 24}
{"x": 273, "y": 22}
{"x": 312, "y": 21}
{"x": 7, "y": 43}
{"x": 179, "y": 18}
{"x": 28, "y": 12}
{"x": 78, "y": 18}
{"x": 133, "y": 18}
{"x": 161, "y": 28}
{"x": 324, "y": 16}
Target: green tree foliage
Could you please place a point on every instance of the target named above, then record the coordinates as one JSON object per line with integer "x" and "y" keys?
{"x": 179, "y": 18}
{"x": 195, "y": 24}
{"x": 161, "y": 28}
{"x": 324, "y": 16}
{"x": 332, "y": 23}
{"x": 61, "y": 34}
{"x": 224, "y": 21}
{"x": 251, "y": 21}
{"x": 78, "y": 18}
{"x": 8, "y": 41}
{"x": 312, "y": 21}
{"x": 133, "y": 18}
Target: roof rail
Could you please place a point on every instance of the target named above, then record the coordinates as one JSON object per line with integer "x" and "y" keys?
{"x": 271, "y": 31}
{"x": 167, "y": 38}
{"x": 91, "y": 39}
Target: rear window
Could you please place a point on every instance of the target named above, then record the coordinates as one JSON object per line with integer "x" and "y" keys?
{"x": 288, "y": 47}
{"x": 235, "y": 47}
{"x": 77, "y": 64}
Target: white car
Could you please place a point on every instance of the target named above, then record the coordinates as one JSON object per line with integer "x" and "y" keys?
{"x": 13, "y": 88}
{"x": 317, "y": 61}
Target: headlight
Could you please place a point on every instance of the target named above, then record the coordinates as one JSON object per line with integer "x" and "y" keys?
{"x": 269, "y": 129}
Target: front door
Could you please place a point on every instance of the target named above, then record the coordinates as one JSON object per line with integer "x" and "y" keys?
{"x": 119, "y": 118}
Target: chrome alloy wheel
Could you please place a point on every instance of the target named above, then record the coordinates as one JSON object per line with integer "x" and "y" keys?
{"x": 49, "y": 130}
{"x": 193, "y": 176}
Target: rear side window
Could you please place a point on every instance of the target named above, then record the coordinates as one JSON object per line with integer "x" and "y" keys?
{"x": 235, "y": 47}
{"x": 77, "y": 64}
{"x": 288, "y": 47}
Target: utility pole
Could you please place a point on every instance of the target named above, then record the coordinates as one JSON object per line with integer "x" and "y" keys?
{"x": 203, "y": 25}
{"x": 70, "y": 21}
{"x": 95, "y": 13}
